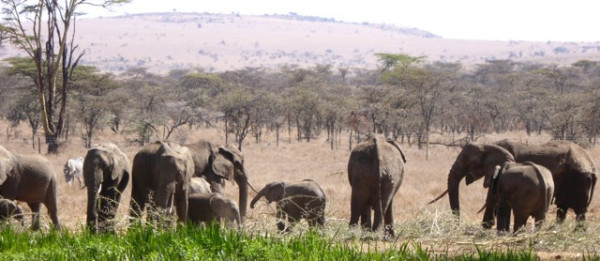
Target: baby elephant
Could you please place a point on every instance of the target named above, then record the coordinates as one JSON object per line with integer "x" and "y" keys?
{"x": 304, "y": 199}
{"x": 206, "y": 207}
{"x": 526, "y": 189}
{"x": 9, "y": 209}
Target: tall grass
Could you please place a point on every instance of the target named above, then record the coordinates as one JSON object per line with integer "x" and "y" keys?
{"x": 212, "y": 243}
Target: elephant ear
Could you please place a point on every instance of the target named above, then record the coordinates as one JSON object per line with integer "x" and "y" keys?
{"x": 223, "y": 167}
{"x": 7, "y": 164}
{"x": 233, "y": 154}
{"x": 493, "y": 156}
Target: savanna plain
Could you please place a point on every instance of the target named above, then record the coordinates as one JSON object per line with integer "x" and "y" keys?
{"x": 423, "y": 231}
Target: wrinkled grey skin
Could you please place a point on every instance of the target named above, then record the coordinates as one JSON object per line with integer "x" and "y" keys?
{"x": 219, "y": 163}
{"x": 31, "y": 179}
{"x": 526, "y": 189}
{"x": 199, "y": 185}
{"x": 295, "y": 201}
{"x": 8, "y": 209}
{"x": 106, "y": 174}
{"x": 476, "y": 160}
{"x": 573, "y": 172}
{"x": 375, "y": 172}
{"x": 161, "y": 171}
{"x": 207, "y": 207}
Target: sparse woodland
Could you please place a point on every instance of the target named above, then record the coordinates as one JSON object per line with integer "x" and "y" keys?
{"x": 408, "y": 99}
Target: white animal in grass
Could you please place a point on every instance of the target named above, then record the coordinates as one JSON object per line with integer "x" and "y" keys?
{"x": 74, "y": 169}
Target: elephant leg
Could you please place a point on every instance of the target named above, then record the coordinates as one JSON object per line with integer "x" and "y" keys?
{"x": 389, "y": 220}
{"x": 280, "y": 218}
{"x": 561, "y": 213}
{"x": 539, "y": 220}
{"x": 35, "y": 219}
{"x": 490, "y": 207}
{"x": 520, "y": 221}
{"x": 365, "y": 217}
{"x": 503, "y": 217}
{"x": 377, "y": 212}
{"x": 358, "y": 204}
{"x": 52, "y": 207}
{"x": 138, "y": 202}
{"x": 580, "y": 218}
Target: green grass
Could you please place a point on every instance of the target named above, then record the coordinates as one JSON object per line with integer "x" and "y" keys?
{"x": 213, "y": 243}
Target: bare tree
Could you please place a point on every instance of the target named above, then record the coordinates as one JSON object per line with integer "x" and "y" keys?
{"x": 50, "y": 44}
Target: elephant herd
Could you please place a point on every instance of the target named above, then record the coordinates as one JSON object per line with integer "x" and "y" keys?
{"x": 521, "y": 179}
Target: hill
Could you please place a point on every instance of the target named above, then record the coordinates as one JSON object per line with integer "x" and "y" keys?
{"x": 220, "y": 42}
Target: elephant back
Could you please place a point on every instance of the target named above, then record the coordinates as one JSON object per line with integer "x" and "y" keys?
{"x": 202, "y": 151}
{"x": 363, "y": 159}
{"x": 312, "y": 188}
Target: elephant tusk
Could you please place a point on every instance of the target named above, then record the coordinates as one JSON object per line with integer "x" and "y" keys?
{"x": 438, "y": 197}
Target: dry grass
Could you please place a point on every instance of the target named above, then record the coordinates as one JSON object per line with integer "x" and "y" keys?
{"x": 431, "y": 225}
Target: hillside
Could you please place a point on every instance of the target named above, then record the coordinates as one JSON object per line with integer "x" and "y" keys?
{"x": 218, "y": 42}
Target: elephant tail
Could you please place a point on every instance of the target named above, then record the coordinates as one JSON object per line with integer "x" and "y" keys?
{"x": 438, "y": 197}
{"x": 395, "y": 144}
{"x": 594, "y": 178}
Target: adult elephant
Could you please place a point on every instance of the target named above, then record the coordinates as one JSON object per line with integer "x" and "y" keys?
{"x": 573, "y": 172}
{"x": 31, "y": 179}
{"x": 106, "y": 174}
{"x": 216, "y": 164}
{"x": 375, "y": 172}
{"x": 162, "y": 170}
{"x": 476, "y": 160}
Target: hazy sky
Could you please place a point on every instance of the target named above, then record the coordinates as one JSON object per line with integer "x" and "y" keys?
{"x": 536, "y": 20}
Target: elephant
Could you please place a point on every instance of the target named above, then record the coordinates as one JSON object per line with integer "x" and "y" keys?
{"x": 199, "y": 185}
{"x": 475, "y": 160}
{"x": 106, "y": 171}
{"x": 161, "y": 170}
{"x": 375, "y": 172}
{"x": 573, "y": 172}
{"x": 9, "y": 209}
{"x": 31, "y": 179}
{"x": 304, "y": 199}
{"x": 526, "y": 189}
{"x": 207, "y": 207}
{"x": 219, "y": 163}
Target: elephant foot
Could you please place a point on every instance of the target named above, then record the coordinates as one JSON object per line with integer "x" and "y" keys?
{"x": 487, "y": 225}
{"x": 581, "y": 226}
{"x": 282, "y": 227}
{"x": 389, "y": 233}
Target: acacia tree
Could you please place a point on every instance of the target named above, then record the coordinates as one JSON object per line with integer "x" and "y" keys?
{"x": 45, "y": 31}
{"x": 92, "y": 106}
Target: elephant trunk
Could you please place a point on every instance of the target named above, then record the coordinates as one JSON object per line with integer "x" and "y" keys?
{"x": 261, "y": 193}
{"x": 242, "y": 182}
{"x": 92, "y": 209}
{"x": 454, "y": 178}
{"x": 164, "y": 198}
{"x": 93, "y": 179}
